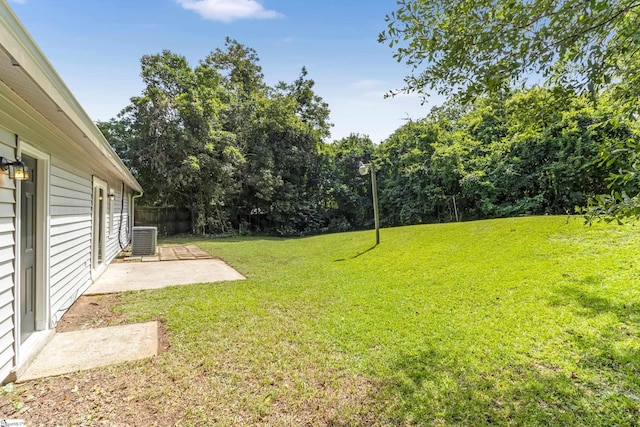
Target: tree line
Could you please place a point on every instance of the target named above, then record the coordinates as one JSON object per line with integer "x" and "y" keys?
{"x": 483, "y": 47}
{"x": 244, "y": 156}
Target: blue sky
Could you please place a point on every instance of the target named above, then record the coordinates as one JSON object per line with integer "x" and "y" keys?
{"x": 96, "y": 47}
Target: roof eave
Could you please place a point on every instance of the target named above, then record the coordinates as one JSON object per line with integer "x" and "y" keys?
{"x": 20, "y": 45}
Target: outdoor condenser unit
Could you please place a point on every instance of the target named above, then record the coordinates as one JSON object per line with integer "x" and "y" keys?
{"x": 143, "y": 241}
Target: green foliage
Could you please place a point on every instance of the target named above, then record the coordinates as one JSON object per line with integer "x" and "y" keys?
{"x": 620, "y": 157}
{"x": 482, "y": 47}
{"x": 348, "y": 197}
{"x": 242, "y": 155}
{"x": 520, "y": 321}
{"x": 217, "y": 140}
{"x": 310, "y": 108}
{"x": 517, "y": 153}
{"x": 486, "y": 46}
{"x": 172, "y": 139}
{"x": 409, "y": 192}
{"x": 15, "y": 396}
{"x": 280, "y": 179}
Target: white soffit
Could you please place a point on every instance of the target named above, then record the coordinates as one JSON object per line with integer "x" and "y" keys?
{"x": 38, "y": 84}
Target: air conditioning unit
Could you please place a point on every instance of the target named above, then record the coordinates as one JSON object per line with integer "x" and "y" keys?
{"x": 143, "y": 241}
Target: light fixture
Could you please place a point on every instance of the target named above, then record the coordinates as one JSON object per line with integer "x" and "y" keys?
{"x": 363, "y": 169}
{"x": 17, "y": 170}
{"x": 112, "y": 194}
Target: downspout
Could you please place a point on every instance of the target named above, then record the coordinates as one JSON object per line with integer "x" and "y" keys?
{"x": 122, "y": 247}
{"x": 133, "y": 210}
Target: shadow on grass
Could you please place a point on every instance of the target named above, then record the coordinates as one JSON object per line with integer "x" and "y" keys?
{"x": 591, "y": 378}
{"x": 591, "y": 303}
{"x": 610, "y": 345}
{"x": 358, "y": 254}
{"x": 434, "y": 388}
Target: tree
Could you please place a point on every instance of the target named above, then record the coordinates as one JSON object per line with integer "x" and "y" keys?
{"x": 409, "y": 193}
{"x": 485, "y": 46}
{"x": 347, "y": 193}
{"x": 312, "y": 110}
{"x": 238, "y": 65}
{"x": 277, "y": 131}
{"x": 219, "y": 141}
{"x": 280, "y": 179}
{"x": 513, "y": 153}
{"x": 172, "y": 139}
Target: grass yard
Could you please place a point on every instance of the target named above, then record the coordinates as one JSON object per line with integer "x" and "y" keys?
{"x": 527, "y": 321}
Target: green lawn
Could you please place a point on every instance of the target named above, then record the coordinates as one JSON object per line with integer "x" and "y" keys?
{"x": 515, "y": 321}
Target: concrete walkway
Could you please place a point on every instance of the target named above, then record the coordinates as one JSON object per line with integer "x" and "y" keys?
{"x": 90, "y": 348}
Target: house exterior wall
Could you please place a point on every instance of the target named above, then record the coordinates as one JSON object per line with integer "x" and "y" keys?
{"x": 119, "y": 233}
{"x": 70, "y": 191}
{"x": 7, "y": 242}
{"x": 40, "y": 118}
{"x": 70, "y": 198}
{"x": 71, "y": 232}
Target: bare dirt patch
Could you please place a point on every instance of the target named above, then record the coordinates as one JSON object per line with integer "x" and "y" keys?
{"x": 95, "y": 397}
{"x": 97, "y": 311}
{"x": 92, "y": 311}
{"x": 150, "y": 393}
{"x": 175, "y": 389}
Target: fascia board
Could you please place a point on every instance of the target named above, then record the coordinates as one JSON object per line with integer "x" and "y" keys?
{"x": 17, "y": 42}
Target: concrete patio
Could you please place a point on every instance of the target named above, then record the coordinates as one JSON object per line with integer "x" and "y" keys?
{"x": 137, "y": 276}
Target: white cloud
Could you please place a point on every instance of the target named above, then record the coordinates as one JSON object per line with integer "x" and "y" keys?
{"x": 380, "y": 89}
{"x": 376, "y": 94}
{"x": 228, "y": 10}
{"x": 407, "y": 95}
{"x": 368, "y": 84}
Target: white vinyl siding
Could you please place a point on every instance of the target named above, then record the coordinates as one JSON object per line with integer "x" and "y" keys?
{"x": 41, "y": 118}
{"x": 114, "y": 223}
{"x": 70, "y": 239}
{"x": 7, "y": 258}
{"x": 71, "y": 234}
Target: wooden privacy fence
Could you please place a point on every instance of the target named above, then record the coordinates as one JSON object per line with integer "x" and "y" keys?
{"x": 168, "y": 220}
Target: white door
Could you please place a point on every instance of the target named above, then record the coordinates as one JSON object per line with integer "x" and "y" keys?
{"x": 99, "y": 223}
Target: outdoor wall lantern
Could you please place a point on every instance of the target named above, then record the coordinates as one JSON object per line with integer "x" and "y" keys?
{"x": 363, "y": 169}
{"x": 112, "y": 194}
{"x": 17, "y": 170}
